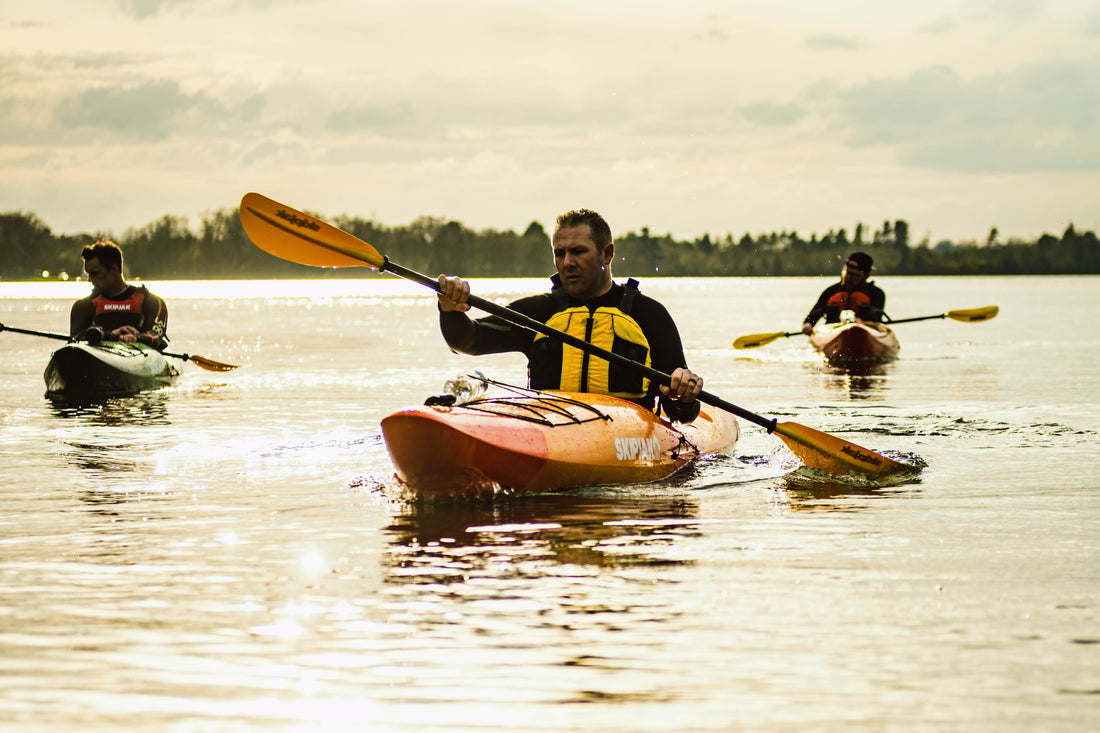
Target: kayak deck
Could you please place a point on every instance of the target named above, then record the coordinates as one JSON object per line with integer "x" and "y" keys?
{"x": 107, "y": 369}
{"x": 843, "y": 343}
{"x": 538, "y": 441}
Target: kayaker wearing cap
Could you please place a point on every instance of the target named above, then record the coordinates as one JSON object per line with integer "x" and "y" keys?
{"x": 116, "y": 311}
{"x": 853, "y": 293}
{"x": 584, "y": 301}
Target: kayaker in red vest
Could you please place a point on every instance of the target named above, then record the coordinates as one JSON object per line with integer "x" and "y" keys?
{"x": 116, "y": 311}
{"x": 853, "y": 293}
{"x": 585, "y": 302}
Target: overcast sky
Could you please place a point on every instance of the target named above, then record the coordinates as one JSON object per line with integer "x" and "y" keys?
{"x": 688, "y": 117}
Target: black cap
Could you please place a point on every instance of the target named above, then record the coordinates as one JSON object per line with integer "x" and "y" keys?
{"x": 862, "y": 260}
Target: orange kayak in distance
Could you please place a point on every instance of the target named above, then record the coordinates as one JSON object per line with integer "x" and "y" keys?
{"x": 526, "y": 440}
{"x": 845, "y": 343}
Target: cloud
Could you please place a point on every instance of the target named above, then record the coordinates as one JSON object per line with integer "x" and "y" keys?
{"x": 1092, "y": 24}
{"x": 832, "y": 42}
{"x": 272, "y": 150}
{"x": 940, "y": 27}
{"x": 142, "y": 9}
{"x": 773, "y": 114}
{"x": 149, "y": 111}
{"x": 399, "y": 119}
{"x": 1042, "y": 117}
{"x": 1012, "y": 12}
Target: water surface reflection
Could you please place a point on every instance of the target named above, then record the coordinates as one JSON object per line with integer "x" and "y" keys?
{"x": 146, "y": 408}
{"x": 441, "y": 541}
{"x": 857, "y": 380}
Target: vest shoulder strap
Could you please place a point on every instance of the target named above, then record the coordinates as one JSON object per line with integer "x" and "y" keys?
{"x": 629, "y": 291}
{"x": 626, "y": 305}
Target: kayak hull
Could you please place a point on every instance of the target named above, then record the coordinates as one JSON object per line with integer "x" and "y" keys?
{"x": 109, "y": 369}
{"x": 542, "y": 441}
{"x": 848, "y": 343}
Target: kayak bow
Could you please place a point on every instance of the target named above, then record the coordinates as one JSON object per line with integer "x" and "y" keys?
{"x": 847, "y": 343}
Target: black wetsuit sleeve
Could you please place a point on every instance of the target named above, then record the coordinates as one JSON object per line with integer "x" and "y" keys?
{"x": 81, "y": 317}
{"x": 818, "y": 310}
{"x": 666, "y": 353}
{"x": 493, "y": 335}
{"x": 154, "y": 323}
{"x": 876, "y": 310}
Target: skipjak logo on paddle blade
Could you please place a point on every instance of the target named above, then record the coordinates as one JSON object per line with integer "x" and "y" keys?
{"x": 298, "y": 221}
{"x": 859, "y": 456}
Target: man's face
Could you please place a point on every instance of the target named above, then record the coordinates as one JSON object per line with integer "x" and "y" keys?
{"x": 852, "y": 276}
{"x": 104, "y": 281}
{"x": 583, "y": 269}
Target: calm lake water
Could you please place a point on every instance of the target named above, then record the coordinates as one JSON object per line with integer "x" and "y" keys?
{"x": 228, "y": 554}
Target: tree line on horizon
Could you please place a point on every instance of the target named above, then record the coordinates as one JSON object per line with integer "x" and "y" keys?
{"x": 167, "y": 249}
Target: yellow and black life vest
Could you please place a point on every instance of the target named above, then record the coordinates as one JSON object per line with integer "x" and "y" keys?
{"x": 554, "y": 365}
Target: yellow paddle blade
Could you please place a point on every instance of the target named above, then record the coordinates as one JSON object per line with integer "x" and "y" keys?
{"x": 291, "y": 235}
{"x": 210, "y": 365}
{"x": 973, "y": 315}
{"x": 756, "y": 340}
{"x": 837, "y": 457}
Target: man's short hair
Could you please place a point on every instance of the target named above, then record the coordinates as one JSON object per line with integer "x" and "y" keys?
{"x": 601, "y": 232}
{"x": 104, "y": 250}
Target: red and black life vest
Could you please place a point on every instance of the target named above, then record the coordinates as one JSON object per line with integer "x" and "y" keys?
{"x": 849, "y": 300}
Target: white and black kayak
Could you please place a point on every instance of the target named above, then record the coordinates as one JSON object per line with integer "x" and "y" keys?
{"x": 111, "y": 368}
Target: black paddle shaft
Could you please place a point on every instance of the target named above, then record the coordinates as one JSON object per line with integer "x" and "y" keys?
{"x": 63, "y": 337}
{"x": 48, "y": 335}
{"x": 918, "y": 318}
{"x": 531, "y": 324}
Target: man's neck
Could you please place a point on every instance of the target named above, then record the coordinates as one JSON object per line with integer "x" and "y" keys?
{"x": 604, "y": 292}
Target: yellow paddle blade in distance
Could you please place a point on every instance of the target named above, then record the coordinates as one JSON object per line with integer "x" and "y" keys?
{"x": 835, "y": 456}
{"x": 292, "y": 235}
{"x": 974, "y": 315}
{"x": 210, "y": 365}
{"x": 756, "y": 340}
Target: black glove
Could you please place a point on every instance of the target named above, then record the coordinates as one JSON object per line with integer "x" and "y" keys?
{"x": 94, "y": 335}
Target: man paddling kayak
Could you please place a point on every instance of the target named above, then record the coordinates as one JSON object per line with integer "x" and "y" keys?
{"x": 853, "y": 293}
{"x": 116, "y": 311}
{"x": 586, "y": 302}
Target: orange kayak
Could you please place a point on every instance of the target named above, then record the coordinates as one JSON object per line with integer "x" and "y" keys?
{"x": 841, "y": 343}
{"x": 538, "y": 441}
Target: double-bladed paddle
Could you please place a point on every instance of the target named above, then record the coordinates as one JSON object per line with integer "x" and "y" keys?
{"x": 292, "y": 235}
{"x": 966, "y": 315}
{"x": 755, "y": 340}
{"x": 200, "y": 361}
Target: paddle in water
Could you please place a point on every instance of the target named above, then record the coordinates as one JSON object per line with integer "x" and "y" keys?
{"x": 200, "y": 361}
{"x": 292, "y": 235}
{"x": 966, "y": 315}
